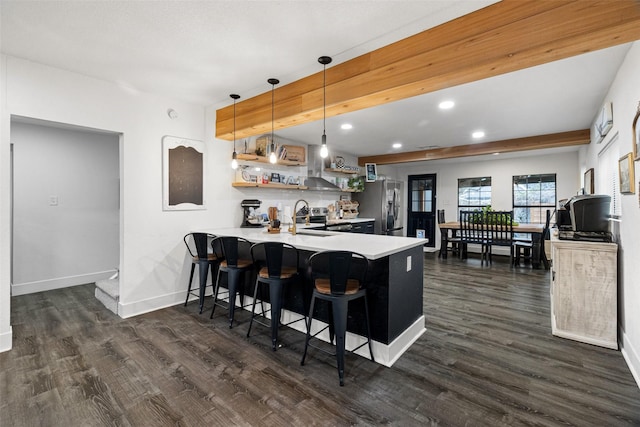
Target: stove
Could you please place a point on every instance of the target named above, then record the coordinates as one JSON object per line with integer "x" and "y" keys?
{"x": 316, "y": 215}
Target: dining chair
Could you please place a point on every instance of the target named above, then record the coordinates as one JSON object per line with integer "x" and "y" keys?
{"x": 472, "y": 231}
{"x": 499, "y": 232}
{"x": 523, "y": 249}
{"x": 338, "y": 277}
{"x": 448, "y": 243}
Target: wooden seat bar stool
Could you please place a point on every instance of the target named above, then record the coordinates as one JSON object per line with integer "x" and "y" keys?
{"x": 204, "y": 259}
{"x": 235, "y": 266}
{"x": 278, "y": 266}
{"x": 338, "y": 277}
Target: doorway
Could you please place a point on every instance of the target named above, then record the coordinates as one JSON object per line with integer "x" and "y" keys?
{"x": 65, "y": 205}
{"x": 421, "y": 204}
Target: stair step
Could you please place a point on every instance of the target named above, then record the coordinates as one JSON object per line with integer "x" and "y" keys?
{"x": 108, "y": 293}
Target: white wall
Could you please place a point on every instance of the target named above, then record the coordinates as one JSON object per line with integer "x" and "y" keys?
{"x": 152, "y": 258}
{"x": 75, "y": 239}
{"x": 5, "y": 214}
{"x": 625, "y": 95}
{"x": 501, "y": 171}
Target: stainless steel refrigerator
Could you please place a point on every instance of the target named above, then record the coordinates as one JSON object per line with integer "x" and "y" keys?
{"x": 382, "y": 200}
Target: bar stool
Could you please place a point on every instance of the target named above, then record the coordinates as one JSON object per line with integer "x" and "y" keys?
{"x": 278, "y": 266}
{"x": 235, "y": 267}
{"x": 204, "y": 259}
{"x": 338, "y": 277}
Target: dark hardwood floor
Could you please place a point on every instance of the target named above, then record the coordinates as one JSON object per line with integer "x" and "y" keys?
{"x": 487, "y": 359}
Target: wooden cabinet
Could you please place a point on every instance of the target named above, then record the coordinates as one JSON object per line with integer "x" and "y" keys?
{"x": 584, "y": 285}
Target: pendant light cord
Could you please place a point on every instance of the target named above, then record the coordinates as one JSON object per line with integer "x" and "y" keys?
{"x": 272, "y": 147}
{"x": 324, "y": 99}
{"x": 234, "y": 156}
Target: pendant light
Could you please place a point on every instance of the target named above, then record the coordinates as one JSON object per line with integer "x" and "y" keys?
{"x": 324, "y": 60}
{"x": 234, "y": 156}
{"x": 272, "y": 146}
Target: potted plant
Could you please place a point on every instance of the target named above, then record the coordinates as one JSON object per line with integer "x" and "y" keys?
{"x": 356, "y": 183}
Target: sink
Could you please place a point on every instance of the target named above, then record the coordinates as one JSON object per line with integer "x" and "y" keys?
{"x": 312, "y": 233}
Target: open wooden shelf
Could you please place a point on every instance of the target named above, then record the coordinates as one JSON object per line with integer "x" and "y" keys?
{"x": 271, "y": 185}
{"x": 340, "y": 170}
{"x": 263, "y": 159}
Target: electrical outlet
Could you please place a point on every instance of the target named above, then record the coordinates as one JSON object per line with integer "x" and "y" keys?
{"x": 53, "y": 200}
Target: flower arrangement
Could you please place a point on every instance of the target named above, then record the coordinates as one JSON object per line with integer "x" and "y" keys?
{"x": 483, "y": 217}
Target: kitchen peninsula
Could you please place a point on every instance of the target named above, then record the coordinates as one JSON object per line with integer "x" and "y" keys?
{"x": 394, "y": 285}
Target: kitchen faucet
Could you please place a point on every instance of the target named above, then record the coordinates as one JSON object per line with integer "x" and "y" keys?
{"x": 292, "y": 229}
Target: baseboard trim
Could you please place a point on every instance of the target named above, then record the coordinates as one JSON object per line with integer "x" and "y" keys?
{"x": 631, "y": 357}
{"x": 58, "y": 283}
{"x": 137, "y": 308}
{"x": 6, "y": 340}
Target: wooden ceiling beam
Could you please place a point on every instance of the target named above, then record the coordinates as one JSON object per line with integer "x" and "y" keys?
{"x": 555, "y": 140}
{"x": 507, "y": 36}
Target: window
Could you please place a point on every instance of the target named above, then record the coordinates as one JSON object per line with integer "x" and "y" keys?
{"x": 474, "y": 193}
{"x": 421, "y": 193}
{"x": 532, "y": 196}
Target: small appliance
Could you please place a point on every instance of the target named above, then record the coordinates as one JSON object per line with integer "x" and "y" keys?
{"x": 250, "y": 217}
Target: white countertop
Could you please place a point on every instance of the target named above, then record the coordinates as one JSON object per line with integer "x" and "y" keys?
{"x": 371, "y": 246}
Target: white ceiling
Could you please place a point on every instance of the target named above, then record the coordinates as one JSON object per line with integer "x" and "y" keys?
{"x": 201, "y": 51}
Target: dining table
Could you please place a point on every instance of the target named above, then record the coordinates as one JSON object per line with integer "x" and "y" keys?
{"x": 538, "y": 256}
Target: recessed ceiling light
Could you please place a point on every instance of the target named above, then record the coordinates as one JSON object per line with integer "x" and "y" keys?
{"x": 397, "y": 145}
{"x": 446, "y": 105}
{"x": 496, "y": 154}
{"x": 478, "y": 134}
{"x": 346, "y": 126}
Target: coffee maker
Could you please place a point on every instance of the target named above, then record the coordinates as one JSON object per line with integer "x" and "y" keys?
{"x": 250, "y": 218}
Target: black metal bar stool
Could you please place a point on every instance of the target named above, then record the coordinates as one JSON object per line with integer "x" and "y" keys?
{"x": 338, "y": 277}
{"x": 278, "y": 263}
{"x": 204, "y": 259}
{"x": 235, "y": 267}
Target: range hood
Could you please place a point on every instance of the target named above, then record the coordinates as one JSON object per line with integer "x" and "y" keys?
{"x": 315, "y": 165}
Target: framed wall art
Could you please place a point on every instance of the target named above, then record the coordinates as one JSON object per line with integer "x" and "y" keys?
{"x": 372, "y": 173}
{"x": 183, "y": 172}
{"x": 588, "y": 182}
{"x": 625, "y": 171}
{"x": 636, "y": 135}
